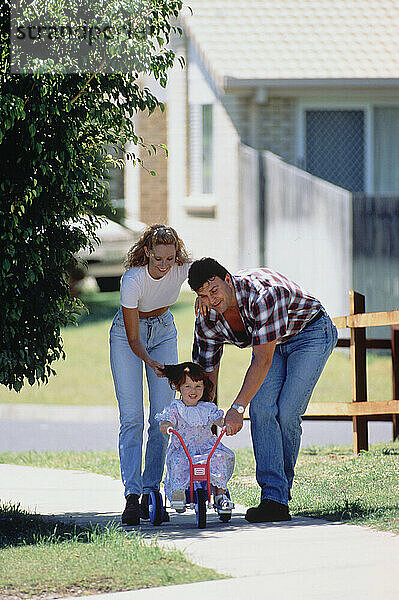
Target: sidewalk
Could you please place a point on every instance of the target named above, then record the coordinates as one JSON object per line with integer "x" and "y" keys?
{"x": 305, "y": 559}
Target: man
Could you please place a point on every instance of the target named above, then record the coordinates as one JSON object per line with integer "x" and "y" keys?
{"x": 291, "y": 337}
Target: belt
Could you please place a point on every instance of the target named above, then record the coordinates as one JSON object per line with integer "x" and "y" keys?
{"x": 315, "y": 317}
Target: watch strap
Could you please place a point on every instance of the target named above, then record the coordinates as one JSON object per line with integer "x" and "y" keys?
{"x": 240, "y": 409}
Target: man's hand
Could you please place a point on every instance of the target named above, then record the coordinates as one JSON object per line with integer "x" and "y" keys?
{"x": 233, "y": 421}
{"x": 164, "y": 426}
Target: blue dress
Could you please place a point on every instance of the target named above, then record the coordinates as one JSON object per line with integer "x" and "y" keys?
{"x": 194, "y": 425}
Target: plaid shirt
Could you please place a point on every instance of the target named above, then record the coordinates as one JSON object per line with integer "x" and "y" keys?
{"x": 271, "y": 307}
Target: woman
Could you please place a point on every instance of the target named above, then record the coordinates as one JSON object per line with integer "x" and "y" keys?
{"x": 143, "y": 333}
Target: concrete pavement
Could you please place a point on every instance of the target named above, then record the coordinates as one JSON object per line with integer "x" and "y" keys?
{"x": 304, "y": 559}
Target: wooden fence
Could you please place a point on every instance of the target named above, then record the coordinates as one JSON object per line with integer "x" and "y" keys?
{"x": 361, "y": 410}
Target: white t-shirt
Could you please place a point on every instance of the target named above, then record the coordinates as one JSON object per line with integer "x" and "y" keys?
{"x": 140, "y": 290}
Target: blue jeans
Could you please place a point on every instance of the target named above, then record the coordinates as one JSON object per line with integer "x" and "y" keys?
{"x": 159, "y": 337}
{"x": 277, "y": 407}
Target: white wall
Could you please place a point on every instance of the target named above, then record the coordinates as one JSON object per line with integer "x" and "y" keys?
{"x": 249, "y": 226}
{"x": 309, "y": 232}
{"x": 219, "y": 236}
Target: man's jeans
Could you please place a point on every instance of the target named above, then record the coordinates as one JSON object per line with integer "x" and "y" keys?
{"x": 277, "y": 407}
{"x": 159, "y": 337}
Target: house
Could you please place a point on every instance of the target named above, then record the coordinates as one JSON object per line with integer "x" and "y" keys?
{"x": 315, "y": 83}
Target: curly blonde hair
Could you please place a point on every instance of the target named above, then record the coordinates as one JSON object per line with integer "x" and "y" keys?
{"x": 152, "y": 236}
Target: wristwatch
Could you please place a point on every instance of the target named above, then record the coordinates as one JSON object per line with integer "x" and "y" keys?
{"x": 240, "y": 409}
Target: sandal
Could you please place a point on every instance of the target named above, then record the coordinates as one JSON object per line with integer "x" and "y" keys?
{"x": 178, "y": 501}
{"x": 222, "y": 502}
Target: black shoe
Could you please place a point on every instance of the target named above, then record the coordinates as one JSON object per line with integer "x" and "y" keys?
{"x": 268, "y": 511}
{"x": 165, "y": 518}
{"x": 131, "y": 514}
{"x": 144, "y": 510}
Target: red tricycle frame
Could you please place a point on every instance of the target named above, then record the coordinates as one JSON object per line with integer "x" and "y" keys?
{"x": 199, "y": 471}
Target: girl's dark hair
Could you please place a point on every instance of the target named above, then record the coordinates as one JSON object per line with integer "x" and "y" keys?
{"x": 203, "y": 270}
{"x": 176, "y": 375}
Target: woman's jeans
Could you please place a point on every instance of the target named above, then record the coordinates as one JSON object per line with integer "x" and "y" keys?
{"x": 159, "y": 337}
{"x": 276, "y": 409}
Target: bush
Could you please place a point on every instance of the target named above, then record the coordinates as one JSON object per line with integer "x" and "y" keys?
{"x": 54, "y": 131}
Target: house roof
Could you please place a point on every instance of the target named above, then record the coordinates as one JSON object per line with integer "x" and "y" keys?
{"x": 250, "y": 41}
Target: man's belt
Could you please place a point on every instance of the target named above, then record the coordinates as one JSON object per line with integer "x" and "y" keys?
{"x": 315, "y": 317}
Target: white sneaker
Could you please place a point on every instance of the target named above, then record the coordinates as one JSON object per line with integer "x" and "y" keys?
{"x": 223, "y": 503}
{"x": 178, "y": 501}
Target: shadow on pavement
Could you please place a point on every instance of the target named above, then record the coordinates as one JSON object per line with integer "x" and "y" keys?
{"x": 183, "y": 526}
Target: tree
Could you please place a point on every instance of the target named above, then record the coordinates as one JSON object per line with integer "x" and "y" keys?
{"x": 54, "y": 131}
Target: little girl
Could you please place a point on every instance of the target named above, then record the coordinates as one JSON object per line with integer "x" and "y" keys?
{"x": 192, "y": 416}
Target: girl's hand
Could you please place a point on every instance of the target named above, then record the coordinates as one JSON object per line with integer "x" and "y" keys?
{"x": 158, "y": 368}
{"x": 201, "y": 307}
{"x": 164, "y": 426}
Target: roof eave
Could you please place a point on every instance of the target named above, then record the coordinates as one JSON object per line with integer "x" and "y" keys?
{"x": 234, "y": 83}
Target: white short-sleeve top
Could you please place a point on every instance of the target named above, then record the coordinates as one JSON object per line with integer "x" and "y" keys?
{"x": 140, "y": 290}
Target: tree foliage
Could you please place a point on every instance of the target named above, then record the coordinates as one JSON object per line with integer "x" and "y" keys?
{"x": 54, "y": 131}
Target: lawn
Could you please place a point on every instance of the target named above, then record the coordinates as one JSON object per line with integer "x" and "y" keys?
{"x": 330, "y": 482}
{"x": 84, "y": 377}
{"x": 40, "y": 558}
{"x": 36, "y": 559}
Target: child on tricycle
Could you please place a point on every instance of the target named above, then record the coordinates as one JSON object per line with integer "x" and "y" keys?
{"x": 192, "y": 416}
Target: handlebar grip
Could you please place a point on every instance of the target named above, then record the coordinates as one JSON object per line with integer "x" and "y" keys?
{"x": 169, "y": 430}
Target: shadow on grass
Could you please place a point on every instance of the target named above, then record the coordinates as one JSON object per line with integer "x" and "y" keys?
{"x": 20, "y": 528}
{"x": 350, "y": 511}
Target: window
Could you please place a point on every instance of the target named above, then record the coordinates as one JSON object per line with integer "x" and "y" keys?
{"x": 386, "y": 150}
{"x": 201, "y": 149}
{"x": 115, "y": 181}
{"x": 335, "y": 147}
{"x": 207, "y": 148}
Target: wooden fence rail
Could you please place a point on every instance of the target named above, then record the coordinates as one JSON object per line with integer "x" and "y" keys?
{"x": 361, "y": 410}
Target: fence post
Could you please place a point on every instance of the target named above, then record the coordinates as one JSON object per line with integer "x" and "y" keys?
{"x": 359, "y": 375}
{"x": 395, "y": 375}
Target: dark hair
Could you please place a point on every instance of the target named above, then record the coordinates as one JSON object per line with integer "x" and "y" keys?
{"x": 176, "y": 375}
{"x": 203, "y": 270}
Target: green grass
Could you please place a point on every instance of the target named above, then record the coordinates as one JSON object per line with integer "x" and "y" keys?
{"x": 41, "y": 557}
{"x": 84, "y": 378}
{"x": 333, "y": 484}
{"x": 330, "y": 483}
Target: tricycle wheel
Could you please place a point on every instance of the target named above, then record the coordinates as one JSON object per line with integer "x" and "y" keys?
{"x": 225, "y": 518}
{"x": 200, "y": 507}
{"x": 155, "y": 508}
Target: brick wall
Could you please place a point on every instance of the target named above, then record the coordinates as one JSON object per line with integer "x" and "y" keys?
{"x": 153, "y": 190}
{"x": 269, "y": 126}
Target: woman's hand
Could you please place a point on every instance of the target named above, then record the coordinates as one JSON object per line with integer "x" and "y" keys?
{"x": 158, "y": 368}
{"x": 201, "y": 307}
{"x": 164, "y": 426}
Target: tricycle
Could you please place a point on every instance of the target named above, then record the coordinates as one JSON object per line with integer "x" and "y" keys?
{"x": 199, "y": 494}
